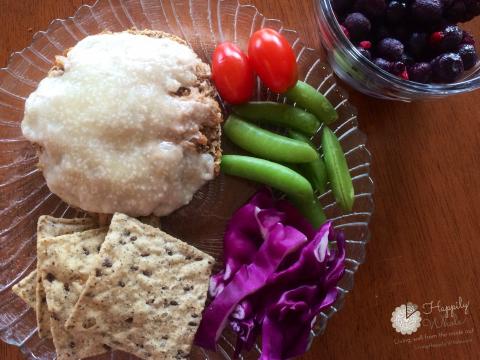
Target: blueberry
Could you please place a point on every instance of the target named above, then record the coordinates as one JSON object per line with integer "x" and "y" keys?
{"x": 390, "y": 49}
{"x": 469, "y": 56}
{"x": 341, "y": 6}
{"x": 383, "y": 64}
{"x": 357, "y": 25}
{"x": 448, "y": 67}
{"x": 407, "y": 60}
{"x": 417, "y": 44}
{"x": 457, "y": 11}
{"x": 452, "y": 37}
{"x": 401, "y": 33}
{"x": 396, "y": 11}
{"x": 473, "y": 9}
{"x": 365, "y": 52}
{"x": 420, "y": 72}
{"x": 468, "y": 38}
{"x": 381, "y": 32}
{"x": 429, "y": 28}
{"x": 371, "y": 8}
{"x": 446, "y": 4}
{"x": 427, "y": 11}
{"x": 397, "y": 67}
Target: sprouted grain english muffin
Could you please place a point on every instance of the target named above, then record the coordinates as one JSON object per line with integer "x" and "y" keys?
{"x": 126, "y": 122}
{"x": 146, "y": 292}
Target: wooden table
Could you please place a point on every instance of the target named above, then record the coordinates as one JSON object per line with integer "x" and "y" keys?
{"x": 425, "y": 232}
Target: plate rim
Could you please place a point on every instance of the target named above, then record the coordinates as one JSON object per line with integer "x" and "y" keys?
{"x": 322, "y": 60}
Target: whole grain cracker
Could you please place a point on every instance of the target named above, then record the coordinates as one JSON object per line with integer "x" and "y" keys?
{"x": 70, "y": 258}
{"x": 146, "y": 294}
{"x": 26, "y": 289}
{"x": 49, "y": 226}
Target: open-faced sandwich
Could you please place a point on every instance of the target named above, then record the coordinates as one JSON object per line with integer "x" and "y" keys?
{"x": 126, "y": 122}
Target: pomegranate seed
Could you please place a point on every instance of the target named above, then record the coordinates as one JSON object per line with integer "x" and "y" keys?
{"x": 436, "y": 37}
{"x": 345, "y": 31}
{"x": 365, "y": 44}
{"x": 404, "y": 75}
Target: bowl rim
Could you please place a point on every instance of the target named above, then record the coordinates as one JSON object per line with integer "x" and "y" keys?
{"x": 326, "y": 13}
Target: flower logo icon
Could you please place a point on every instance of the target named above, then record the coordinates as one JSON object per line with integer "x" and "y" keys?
{"x": 406, "y": 319}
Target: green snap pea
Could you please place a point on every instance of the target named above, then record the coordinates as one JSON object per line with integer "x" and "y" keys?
{"x": 314, "y": 171}
{"x": 337, "y": 170}
{"x": 268, "y": 112}
{"x": 266, "y": 144}
{"x": 269, "y": 173}
{"x": 309, "y": 98}
{"x": 312, "y": 210}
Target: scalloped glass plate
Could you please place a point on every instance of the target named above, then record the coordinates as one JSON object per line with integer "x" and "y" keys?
{"x": 24, "y": 195}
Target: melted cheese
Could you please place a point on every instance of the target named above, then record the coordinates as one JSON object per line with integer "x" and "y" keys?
{"x": 114, "y": 136}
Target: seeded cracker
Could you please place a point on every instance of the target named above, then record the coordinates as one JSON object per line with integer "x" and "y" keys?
{"x": 26, "y": 288}
{"x": 70, "y": 258}
{"x": 48, "y": 226}
{"x": 146, "y": 294}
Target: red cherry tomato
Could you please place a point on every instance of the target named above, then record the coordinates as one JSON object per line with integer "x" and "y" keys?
{"x": 232, "y": 73}
{"x": 273, "y": 60}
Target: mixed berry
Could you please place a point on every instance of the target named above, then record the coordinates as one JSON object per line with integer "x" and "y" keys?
{"x": 417, "y": 40}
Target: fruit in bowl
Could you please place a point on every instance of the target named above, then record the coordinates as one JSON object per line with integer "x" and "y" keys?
{"x": 416, "y": 40}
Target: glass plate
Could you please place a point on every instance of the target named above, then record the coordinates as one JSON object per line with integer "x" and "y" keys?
{"x": 24, "y": 195}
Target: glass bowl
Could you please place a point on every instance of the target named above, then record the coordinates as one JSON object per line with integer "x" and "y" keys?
{"x": 24, "y": 195}
{"x": 364, "y": 76}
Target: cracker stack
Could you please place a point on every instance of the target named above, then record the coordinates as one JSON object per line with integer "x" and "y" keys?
{"x": 131, "y": 287}
{"x": 48, "y": 227}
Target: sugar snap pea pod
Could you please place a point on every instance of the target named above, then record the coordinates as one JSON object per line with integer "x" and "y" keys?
{"x": 268, "y": 112}
{"x": 266, "y": 144}
{"x": 269, "y": 173}
{"x": 312, "y": 210}
{"x": 314, "y": 171}
{"x": 337, "y": 170}
{"x": 309, "y": 98}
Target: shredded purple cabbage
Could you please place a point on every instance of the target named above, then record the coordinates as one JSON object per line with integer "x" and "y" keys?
{"x": 279, "y": 275}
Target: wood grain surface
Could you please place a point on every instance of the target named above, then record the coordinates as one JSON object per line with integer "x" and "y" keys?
{"x": 425, "y": 245}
